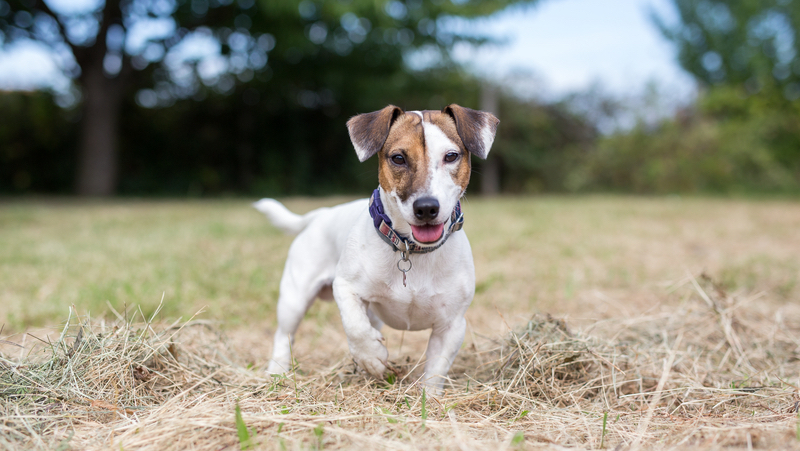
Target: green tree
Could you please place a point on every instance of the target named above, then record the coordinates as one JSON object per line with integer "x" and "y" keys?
{"x": 36, "y": 143}
{"x": 753, "y": 43}
{"x": 746, "y": 55}
{"x": 304, "y": 54}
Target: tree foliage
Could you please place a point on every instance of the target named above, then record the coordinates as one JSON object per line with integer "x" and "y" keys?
{"x": 538, "y": 144}
{"x": 750, "y": 43}
{"x": 742, "y": 134}
{"x": 696, "y": 154}
{"x": 283, "y": 73}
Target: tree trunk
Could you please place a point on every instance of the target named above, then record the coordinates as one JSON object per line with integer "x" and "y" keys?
{"x": 490, "y": 170}
{"x": 102, "y": 105}
{"x": 97, "y": 152}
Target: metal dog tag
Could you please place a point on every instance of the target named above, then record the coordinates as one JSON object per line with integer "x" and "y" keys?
{"x": 404, "y": 259}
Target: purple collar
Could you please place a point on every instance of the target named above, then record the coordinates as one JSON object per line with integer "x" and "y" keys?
{"x": 383, "y": 225}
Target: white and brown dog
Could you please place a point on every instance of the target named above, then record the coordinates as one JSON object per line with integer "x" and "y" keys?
{"x": 396, "y": 258}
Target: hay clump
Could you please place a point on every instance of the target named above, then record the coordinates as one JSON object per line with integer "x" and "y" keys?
{"x": 717, "y": 359}
{"x": 99, "y": 372}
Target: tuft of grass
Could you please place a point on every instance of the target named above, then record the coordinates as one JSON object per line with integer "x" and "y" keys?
{"x": 424, "y": 409}
{"x": 603, "y": 434}
{"x": 318, "y": 431}
{"x": 388, "y": 414}
{"x": 246, "y": 437}
{"x": 521, "y": 415}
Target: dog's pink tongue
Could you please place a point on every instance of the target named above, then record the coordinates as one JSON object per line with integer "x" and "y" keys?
{"x": 427, "y": 233}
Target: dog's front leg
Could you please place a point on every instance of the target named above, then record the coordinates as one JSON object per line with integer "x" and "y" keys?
{"x": 443, "y": 346}
{"x": 365, "y": 342}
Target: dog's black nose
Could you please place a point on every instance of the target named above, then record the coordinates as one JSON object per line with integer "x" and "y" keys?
{"x": 426, "y": 209}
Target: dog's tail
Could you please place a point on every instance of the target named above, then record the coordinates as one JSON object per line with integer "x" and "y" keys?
{"x": 282, "y": 218}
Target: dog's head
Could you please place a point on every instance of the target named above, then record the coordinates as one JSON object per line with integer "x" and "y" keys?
{"x": 424, "y": 161}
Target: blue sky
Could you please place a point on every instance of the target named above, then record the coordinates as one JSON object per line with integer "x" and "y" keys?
{"x": 567, "y": 45}
{"x": 551, "y": 49}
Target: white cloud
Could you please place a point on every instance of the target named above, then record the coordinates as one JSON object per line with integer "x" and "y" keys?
{"x": 74, "y": 6}
{"x": 28, "y": 65}
{"x": 141, "y": 31}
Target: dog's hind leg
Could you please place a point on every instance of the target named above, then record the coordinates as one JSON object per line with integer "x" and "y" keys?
{"x": 295, "y": 298}
{"x": 442, "y": 349}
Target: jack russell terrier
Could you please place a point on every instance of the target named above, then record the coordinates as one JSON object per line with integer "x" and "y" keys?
{"x": 397, "y": 258}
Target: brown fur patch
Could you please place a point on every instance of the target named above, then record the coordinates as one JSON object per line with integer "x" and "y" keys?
{"x": 369, "y": 131}
{"x": 406, "y": 138}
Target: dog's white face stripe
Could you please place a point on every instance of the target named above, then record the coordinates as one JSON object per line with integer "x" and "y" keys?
{"x": 441, "y": 184}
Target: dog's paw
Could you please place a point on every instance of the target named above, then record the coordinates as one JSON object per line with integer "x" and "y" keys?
{"x": 278, "y": 367}
{"x": 433, "y": 386}
{"x": 371, "y": 355}
{"x": 375, "y": 367}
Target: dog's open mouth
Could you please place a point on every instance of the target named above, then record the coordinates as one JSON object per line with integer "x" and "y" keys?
{"x": 427, "y": 233}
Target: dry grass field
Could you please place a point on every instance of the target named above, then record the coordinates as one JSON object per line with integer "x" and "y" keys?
{"x": 598, "y": 323}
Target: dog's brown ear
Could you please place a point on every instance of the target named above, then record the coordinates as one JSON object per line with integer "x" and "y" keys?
{"x": 369, "y": 131}
{"x": 475, "y": 128}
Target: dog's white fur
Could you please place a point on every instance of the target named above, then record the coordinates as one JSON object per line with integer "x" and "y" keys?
{"x": 338, "y": 247}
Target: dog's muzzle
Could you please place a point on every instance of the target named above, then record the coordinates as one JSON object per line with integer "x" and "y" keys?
{"x": 383, "y": 225}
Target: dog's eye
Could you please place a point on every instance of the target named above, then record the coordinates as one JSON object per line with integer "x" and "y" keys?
{"x": 451, "y": 157}
{"x": 398, "y": 160}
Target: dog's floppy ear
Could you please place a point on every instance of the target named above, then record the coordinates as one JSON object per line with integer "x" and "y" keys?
{"x": 475, "y": 128}
{"x": 369, "y": 131}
